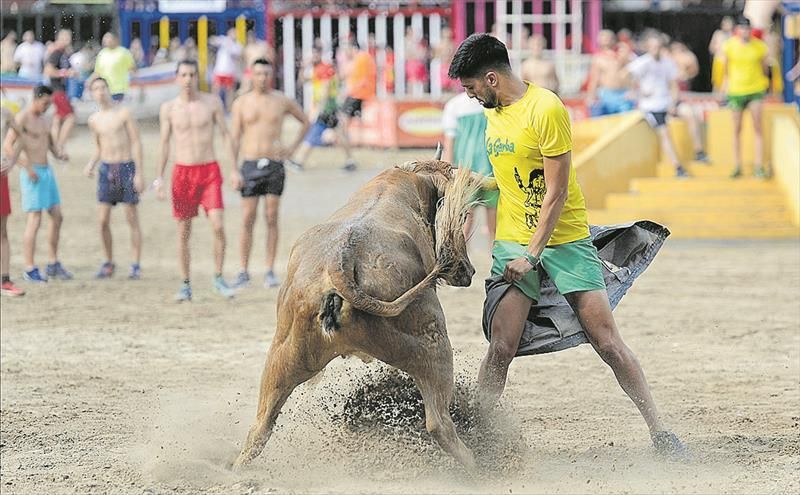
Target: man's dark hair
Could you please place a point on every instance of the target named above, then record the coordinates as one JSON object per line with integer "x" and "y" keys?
{"x": 42, "y": 90}
{"x": 98, "y": 78}
{"x": 478, "y": 54}
{"x": 187, "y": 61}
{"x": 261, "y": 61}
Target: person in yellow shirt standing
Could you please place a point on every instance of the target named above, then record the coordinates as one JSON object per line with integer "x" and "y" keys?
{"x": 115, "y": 64}
{"x": 541, "y": 224}
{"x": 745, "y": 84}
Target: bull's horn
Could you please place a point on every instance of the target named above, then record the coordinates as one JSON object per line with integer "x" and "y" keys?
{"x": 439, "y": 149}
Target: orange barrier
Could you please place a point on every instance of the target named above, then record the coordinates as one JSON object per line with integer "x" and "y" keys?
{"x": 389, "y": 123}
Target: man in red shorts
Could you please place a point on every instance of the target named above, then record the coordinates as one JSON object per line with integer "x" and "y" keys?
{"x": 6, "y": 162}
{"x": 58, "y": 69}
{"x": 196, "y": 178}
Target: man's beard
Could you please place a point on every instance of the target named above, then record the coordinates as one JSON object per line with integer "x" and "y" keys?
{"x": 490, "y": 101}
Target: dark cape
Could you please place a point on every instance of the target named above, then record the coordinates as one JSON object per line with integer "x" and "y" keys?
{"x": 625, "y": 250}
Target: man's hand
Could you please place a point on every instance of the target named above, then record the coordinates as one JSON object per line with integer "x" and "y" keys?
{"x": 32, "y": 175}
{"x": 138, "y": 183}
{"x": 88, "y": 171}
{"x": 61, "y": 155}
{"x": 5, "y": 165}
{"x": 237, "y": 181}
{"x": 516, "y": 269}
{"x": 158, "y": 184}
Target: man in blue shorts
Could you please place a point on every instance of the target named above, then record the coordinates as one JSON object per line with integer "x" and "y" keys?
{"x": 38, "y": 182}
{"x": 119, "y": 152}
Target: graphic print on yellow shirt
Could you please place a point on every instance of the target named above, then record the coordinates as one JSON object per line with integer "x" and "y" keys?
{"x": 518, "y": 136}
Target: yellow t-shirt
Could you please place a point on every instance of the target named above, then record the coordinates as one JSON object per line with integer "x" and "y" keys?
{"x": 114, "y": 65}
{"x": 745, "y": 72}
{"x": 517, "y": 138}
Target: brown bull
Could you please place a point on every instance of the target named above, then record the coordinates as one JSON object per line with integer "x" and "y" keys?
{"x": 364, "y": 283}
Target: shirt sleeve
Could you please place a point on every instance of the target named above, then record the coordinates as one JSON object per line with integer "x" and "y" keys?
{"x": 636, "y": 67}
{"x": 551, "y": 120}
{"x": 449, "y": 119}
{"x": 672, "y": 71}
{"x": 130, "y": 60}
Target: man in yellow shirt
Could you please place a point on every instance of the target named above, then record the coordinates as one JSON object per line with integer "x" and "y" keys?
{"x": 541, "y": 224}
{"x": 745, "y": 83}
{"x": 114, "y": 63}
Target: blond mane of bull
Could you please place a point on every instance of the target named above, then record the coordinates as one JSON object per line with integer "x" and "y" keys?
{"x": 460, "y": 190}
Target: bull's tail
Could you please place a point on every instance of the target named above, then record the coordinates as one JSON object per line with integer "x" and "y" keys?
{"x": 345, "y": 288}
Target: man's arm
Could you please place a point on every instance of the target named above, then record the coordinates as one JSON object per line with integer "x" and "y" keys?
{"x": 219, "y": 121}
{"x": 12, "y": 145}
{"x": 447, "y": 153}
{"x": 89, "y": 170}
{"x": 136, "y": 144}
{"x": 236, "y": 128}
{"x": 166, "y": 134}
{"x": 296, "y": 111}
{"x": 556, "y": 180}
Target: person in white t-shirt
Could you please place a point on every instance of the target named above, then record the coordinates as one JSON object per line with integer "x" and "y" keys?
{"x": 226, "y": 67}
{"x": 30, "y": 56}
{"x": 657, "y": 80}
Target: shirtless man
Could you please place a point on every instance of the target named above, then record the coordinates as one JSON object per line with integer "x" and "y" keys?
{"x": 37, "y": 182}
{"x": 120, "y": 178}
{"x": 257, "y": 121}
{"x": 7, "y": 161}
{"x": 196, "y": 178}
{"x": 607, "y": 85}
{"x": 536, "y": 68}
{"x": 254, "y": 49}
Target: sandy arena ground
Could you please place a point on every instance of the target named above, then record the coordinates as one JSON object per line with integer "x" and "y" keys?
{"x": 110, "y": 387}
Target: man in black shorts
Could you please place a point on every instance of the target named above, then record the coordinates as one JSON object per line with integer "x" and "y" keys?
{"x": 257, "y": 119}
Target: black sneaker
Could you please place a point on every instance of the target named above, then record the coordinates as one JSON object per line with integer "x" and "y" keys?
{"x": 701, "y": 156}
{"x": 681, "y": 172}
{"x": 667, "y": 444}
{"x": 350, "y": 166}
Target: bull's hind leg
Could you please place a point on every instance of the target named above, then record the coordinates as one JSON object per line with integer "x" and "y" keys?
{"x": 287, "y": 367}
{"x": 435, "y": 382}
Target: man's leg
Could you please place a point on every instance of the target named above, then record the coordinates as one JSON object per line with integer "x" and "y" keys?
{"x": 737, "y": 152}
{"x": 686, "y": 112}
{"x": 756, "y": 111}
{"x": 594, "y": 313}
{"x": 216, "y": 218}
{"x": 249, "y": 208}
{"x": 104, "y": 215}
{"x": 507, "y": 326}
{"x": 272, "y": 204}
{"x": 29, "y": 245}
{"x": 56, "y": 219}
{"x": 66, "y": 127}
{"x": 5, "y": 254}
{"x": 132, "y": 214}
{"x": 184, "y": 256}
{"x": 666, "y": 143}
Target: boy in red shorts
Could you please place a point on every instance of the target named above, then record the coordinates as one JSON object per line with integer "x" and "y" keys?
{"x": 58, "y": 69}
{"x": 6, "y": 162}
{"x": 196, "y": 178}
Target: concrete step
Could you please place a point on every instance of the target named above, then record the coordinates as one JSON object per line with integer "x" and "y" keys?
{"x": 695, "y": 169}
{"x": 743, "y": 186}
{"x": 749, "y": 218}
{"x": 695, "y": 201}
